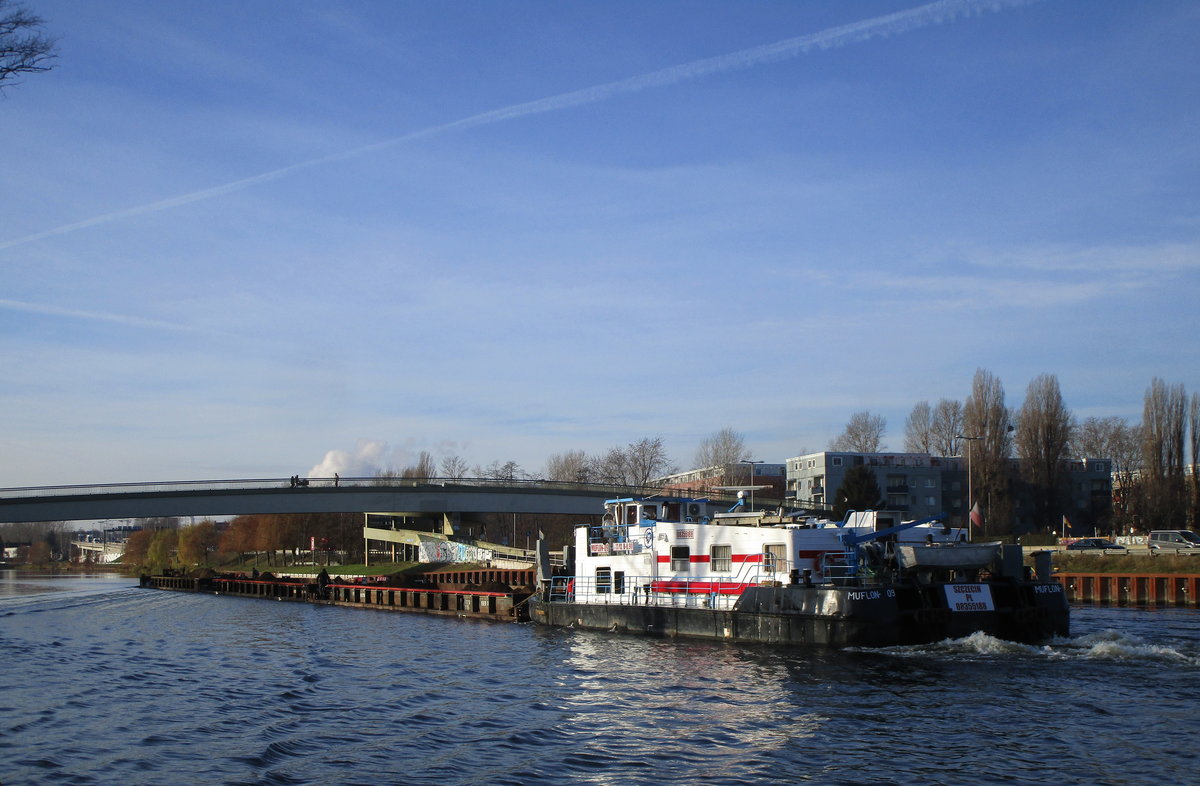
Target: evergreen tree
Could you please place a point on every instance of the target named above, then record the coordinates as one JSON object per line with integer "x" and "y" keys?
{"x": 859, "y": 491}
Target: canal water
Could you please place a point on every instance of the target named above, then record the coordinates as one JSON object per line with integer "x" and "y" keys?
{"x": 105, "y": 683}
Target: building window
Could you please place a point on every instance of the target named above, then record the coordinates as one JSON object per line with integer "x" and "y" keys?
{"x": 930, "y": 483}
{"x": 681, "y": 558}
{"x": 931, "y": 501}
{"x": 721, "y": 558}
{"x": 837, "y": 461}
{"x": 603, "y": 580}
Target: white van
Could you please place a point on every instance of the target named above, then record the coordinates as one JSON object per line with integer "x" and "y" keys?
{"x": 1174, "y": 540}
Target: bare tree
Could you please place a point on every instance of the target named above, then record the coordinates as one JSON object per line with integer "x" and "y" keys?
{"x": 1115, "y": 439}
{"x": 726, "y": 449}
{"x": 610, "y": 467}
{"x": 647, "y": 460}
{"x": 1042, "y": 437}
{"x": 721, "y": 448}
{"x": 24, "y": 48}
{"x": 1163, "y": 428}
{"x": 1090, "y": 439}
{"x": 946, "y": 428}
{"x": 454, "y": 467}
{"x": 425, "y": 467}
{"x": 987, "y": 422}
{"x": 508, "y": 470}
{"x": 864, "y": 434}
{"x": 633, "y": 465}
{"x": 569, "y": 467}
{"x": 918, "y": 429}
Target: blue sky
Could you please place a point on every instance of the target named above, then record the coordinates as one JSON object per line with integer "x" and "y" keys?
{"x": 236, "y": 236}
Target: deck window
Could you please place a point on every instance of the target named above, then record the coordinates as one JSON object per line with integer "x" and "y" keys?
{"x": 619, "y": 582}
{"x": 721, "y": 558}
{"x": 603, "y": 580}
{"x": 681, "y": 558}
{"x": 774, "y": 558}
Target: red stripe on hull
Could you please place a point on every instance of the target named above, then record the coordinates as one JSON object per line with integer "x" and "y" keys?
{"x": 700, "y": 587}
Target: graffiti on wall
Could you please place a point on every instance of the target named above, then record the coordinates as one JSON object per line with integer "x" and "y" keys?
{"x": 447, "y": 551}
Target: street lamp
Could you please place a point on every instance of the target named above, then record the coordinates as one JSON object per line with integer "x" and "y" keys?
{"x": 969, "y": 494}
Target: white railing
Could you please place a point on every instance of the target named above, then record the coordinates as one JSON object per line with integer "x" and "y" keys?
{"x": 709, "y": 592}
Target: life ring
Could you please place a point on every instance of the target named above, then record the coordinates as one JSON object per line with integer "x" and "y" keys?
{"x": 649, "y": 537}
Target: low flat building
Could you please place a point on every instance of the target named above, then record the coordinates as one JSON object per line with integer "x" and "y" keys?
{"x": 699, "y": 482}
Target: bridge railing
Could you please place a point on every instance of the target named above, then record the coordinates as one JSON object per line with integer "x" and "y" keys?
{"x": 310, "y": 484}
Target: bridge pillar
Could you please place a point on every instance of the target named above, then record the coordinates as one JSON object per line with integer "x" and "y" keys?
{"x": 366, "y": 543}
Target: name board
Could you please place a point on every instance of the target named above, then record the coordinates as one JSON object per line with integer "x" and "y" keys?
{"x": 685, "y": 534}
{"x": 969, "y": 597}
{"x": 627, "y": 547}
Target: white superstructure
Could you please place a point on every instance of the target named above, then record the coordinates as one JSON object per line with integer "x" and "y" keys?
{"x": 683, "y": 552}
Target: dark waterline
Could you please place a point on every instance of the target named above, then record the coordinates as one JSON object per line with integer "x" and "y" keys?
{"x": 106, "y": 683}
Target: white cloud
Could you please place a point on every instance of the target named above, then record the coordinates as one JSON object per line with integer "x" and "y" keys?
{"x": 368, "y": 458}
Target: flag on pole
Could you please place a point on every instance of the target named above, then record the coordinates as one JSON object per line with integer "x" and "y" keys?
{"x": 976, "y": 516}
{"x": 1066, "y": 523}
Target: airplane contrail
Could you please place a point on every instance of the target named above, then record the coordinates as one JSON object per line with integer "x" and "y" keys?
{"x": 830, "y": 38}
{"x": 96, "y": 316}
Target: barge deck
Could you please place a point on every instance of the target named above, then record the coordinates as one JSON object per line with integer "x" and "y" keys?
{"x": 457, "y": 599}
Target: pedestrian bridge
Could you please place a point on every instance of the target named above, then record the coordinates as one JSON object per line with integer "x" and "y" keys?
{"x": 311, "y": 495}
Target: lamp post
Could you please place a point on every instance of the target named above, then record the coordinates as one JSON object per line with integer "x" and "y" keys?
{"x": 969, "y": 494}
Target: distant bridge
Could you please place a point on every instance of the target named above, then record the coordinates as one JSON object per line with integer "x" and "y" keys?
{"x": 320, "y": 495}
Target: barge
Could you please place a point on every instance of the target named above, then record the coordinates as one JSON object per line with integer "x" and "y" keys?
{"x": 483, "y": 594}
{"x": 680, "y": 568}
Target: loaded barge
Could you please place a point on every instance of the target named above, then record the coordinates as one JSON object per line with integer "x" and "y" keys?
{"x": 485, "y": 594}
{"x": 683, "y": 568}
{"x": 679, "y": 567}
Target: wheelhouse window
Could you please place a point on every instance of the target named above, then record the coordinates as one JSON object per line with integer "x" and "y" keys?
{"x": 721, "y": 558}
{"x": 681, "y": 558}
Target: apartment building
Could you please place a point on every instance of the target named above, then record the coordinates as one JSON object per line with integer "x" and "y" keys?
{"x": 921, "y": 485}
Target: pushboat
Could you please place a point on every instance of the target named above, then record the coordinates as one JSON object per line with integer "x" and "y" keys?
{"x": 683, "y": 568}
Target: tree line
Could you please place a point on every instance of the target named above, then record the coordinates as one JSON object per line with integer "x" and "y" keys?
{"x": 1152, "y": 484}
{"x": 270, "y": 539}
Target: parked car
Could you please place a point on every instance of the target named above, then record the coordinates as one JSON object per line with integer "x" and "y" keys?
{"x": 1174, "y": 540}
{"x": 1097, "y": 544}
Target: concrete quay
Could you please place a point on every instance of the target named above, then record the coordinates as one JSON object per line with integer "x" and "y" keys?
{"x": 1132, "y": 589}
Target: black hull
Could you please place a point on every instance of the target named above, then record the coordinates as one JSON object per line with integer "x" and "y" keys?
{"x": 1029, "y": 612}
